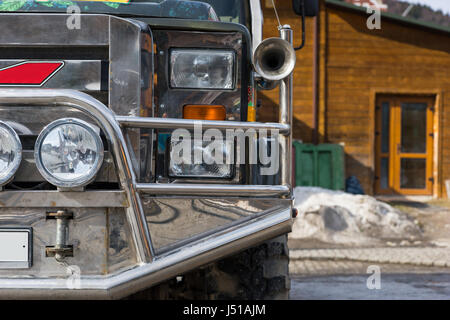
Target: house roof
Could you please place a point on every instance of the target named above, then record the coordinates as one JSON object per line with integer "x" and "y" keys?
{"x": 392, "y": 17}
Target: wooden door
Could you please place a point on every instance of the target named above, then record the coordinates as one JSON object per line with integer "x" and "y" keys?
{"x": 404, "y": 145}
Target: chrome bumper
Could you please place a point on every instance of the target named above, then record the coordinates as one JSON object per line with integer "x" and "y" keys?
{"x": 120, "y": 285}
{"x": 150, "y": 267}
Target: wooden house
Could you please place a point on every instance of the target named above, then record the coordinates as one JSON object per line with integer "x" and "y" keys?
{"x": 384, "y": 94}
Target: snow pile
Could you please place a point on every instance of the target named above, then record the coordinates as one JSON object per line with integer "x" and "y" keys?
{"x": 343, "y": 218}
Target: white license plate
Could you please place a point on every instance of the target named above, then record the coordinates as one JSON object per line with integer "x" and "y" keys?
{"x": 15, "y": 248}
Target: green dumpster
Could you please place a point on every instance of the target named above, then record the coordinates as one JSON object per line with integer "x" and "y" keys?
{"x": 319, "y": 165}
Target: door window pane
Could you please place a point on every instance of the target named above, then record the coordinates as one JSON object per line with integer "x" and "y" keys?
{"x": 414, "y": 127}
{"x": 384, "y": 173}
{"x": 385, "y": 116}
{"x": 413, "y": 173}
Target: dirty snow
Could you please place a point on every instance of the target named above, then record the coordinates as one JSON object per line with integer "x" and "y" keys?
{"x": 342, "y": 218}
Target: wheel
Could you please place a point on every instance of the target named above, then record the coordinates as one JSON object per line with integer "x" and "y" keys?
{"x": 257, "y": 273}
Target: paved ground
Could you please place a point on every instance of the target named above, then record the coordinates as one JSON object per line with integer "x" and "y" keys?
{"x": 343, "y": 267}
{"x": 354, "y": 287}
{"x": 310, "y": 260}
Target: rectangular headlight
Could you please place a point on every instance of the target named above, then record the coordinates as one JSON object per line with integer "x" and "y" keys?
{"x": 208, "y": 168}
{"x": 202, "y": 69}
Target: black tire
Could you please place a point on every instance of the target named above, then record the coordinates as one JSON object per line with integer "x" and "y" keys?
{"x": 259, "y": 273}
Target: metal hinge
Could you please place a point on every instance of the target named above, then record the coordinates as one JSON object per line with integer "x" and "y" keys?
{"x": 61, "y": 249}
{"x": 431, "y": 180}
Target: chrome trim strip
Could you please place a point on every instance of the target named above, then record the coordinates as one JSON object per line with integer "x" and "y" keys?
{"x": 55, "y": 199}
{"x": 170, "y": 123}
{"x": 257, "y": 23}
{"x": 213, "y": 189}
{"x": 106, "y": 119}
{"x": 120, "y": 285}
{"x": 285, "y": 116}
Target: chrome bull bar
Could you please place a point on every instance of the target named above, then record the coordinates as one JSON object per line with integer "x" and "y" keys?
{"x": 214, "y": 189}
{"x": 106, "y": 119}
{"x": 150, "y": 269}
{"x": 166, "y": 123}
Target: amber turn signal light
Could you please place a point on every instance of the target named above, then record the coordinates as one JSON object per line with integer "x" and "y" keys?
{"x": 204, "y": 112}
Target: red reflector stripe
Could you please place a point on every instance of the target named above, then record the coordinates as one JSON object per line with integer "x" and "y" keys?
{"x": 28, "y": 73}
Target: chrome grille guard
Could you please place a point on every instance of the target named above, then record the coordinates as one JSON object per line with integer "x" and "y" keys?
{"x": 151, "y": 268}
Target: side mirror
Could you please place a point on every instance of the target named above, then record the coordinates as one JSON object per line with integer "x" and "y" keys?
{"x": 310, "y": 8}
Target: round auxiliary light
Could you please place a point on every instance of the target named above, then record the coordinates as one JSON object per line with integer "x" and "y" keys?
{"x": 69, "y": 153}
{"x": 10, "y": 153}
